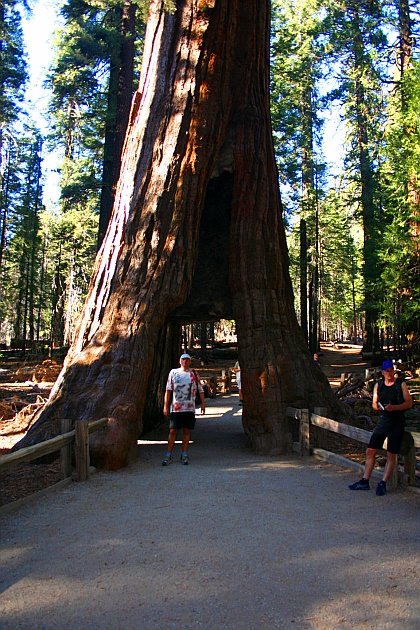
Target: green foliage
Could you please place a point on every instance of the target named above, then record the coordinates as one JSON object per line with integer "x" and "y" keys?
{"x": 79, "y": 79}
{"x": 341, "y": 241}
{"x": 400, "y": 254}
{"x": 13, "y": 70}
{"x": 296, "y": 48}
{"x": 345, "y": 53}
{"x": 20, "y": 294}
{"x": 71, "y": 239}
{"x": 340, "y": 250}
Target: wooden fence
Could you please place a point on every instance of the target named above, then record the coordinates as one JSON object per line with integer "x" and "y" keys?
{"x": 308, "y": 420}
{"x": 63, "y": 443}
{"x": 219, "y": 381}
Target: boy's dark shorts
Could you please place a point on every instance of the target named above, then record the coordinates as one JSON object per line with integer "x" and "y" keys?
{"x": 182, "y": 420}
{"x": 395, "y": 437}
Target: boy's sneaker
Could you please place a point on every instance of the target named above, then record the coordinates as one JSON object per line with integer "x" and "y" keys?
{"x": 167, "y": 460}
{"x": 363, "y": 484}
{"x": 184, "y": 460}
{"x": 381, "y": 489}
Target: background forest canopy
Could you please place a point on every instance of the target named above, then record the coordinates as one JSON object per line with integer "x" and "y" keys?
{"x": 345, "y": 100}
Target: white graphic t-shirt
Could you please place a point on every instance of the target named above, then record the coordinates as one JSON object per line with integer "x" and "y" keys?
{"x": 183, "y": 386}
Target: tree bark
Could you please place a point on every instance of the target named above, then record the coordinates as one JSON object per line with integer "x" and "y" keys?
{"x": 367, "y": 183}
{"x": 119, "y": 104}
{"x": 202, "y": 109}
{"x": 406, "y": 44}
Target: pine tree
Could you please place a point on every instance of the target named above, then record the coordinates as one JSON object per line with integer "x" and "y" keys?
{"x": 357, "y": 40}
{"x": 297, "y": 52}
{"x": 13, "y": 75}
{"x": 23, "y": 241}
{"x": 13, "y": 72}
{"x": 93, "y": 80}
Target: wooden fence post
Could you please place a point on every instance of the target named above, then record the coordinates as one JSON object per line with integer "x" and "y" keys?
{"x": 320, "y": 436}
{"x": 393, "y": 479}
{"x": 410, "y": 467}
{"x": 82, "y": 450}
{"x": 304, "y": 432}
{"x": 65, "y": 452}
{"x": 229, "y": 382}
{"x": 213, "y": 386}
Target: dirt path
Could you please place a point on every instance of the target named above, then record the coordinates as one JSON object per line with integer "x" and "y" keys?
{"x": 342, "y": 358}
{"x": 22, "y": 384}
{"x": 234, "y": 541}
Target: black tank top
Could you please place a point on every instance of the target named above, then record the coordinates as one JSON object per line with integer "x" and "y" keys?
{"x": 389, "y": 394}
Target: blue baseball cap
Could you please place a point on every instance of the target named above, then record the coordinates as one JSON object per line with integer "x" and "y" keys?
{"x": 185, "y": 356}
{"x": 387, "y": 365}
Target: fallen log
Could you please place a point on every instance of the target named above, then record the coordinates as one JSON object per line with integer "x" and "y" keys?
{"x": 350, "y": 388}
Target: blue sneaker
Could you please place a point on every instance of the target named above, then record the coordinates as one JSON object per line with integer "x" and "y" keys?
{"x": 363, "y": 484}
{"x": 381, "y": 489}
{"x": 184, "y": 459}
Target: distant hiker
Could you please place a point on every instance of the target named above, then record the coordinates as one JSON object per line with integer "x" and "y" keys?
{"x": 237, "y": 371}
{"x": 391, "y": 398}
{"x": 181, "y": 387}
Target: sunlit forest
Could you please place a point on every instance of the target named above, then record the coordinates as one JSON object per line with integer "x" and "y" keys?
{"x": 345, "y": 104}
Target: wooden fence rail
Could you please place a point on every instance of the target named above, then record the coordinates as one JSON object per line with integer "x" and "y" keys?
{"x": 303, "y": 447}
{"x": 63, "y": 443}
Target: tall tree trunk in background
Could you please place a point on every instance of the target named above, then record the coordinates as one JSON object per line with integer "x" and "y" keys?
{"x": 201, "y": 115}
{"x": 370, "y": 258}
{"x": 406, "y": 44}
{"x": 4, "y": 207}
{"x": 303, "y": 281}
{"x": 57, "y": 304}
{"x": 405, "y": 56}
{"x": 309, "y": 204}
{"x": 34, "y": 242}
{"x": 119, "y": 105}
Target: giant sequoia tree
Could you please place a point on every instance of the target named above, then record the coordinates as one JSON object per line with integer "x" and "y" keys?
{"x": 199, "y": 141}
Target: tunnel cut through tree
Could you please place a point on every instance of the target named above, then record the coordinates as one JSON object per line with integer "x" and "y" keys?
{"x": 199, "y": 142}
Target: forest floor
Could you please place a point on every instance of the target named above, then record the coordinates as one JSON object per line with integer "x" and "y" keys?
{"x": 235, "y": 541}
{"x": 25, "y": 386}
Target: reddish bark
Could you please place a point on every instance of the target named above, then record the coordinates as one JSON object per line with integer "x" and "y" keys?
{"x": 119, "y": 105}
{"x": 202, "y": 110}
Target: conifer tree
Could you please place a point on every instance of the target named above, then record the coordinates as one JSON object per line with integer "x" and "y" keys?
{"x": 13, "y": 75}
{"x": 297, "y": 52}
{"x": 357, "y": 40}
{"x": 93, "y": 81}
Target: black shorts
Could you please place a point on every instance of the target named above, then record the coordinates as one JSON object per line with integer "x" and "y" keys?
{"x": 182, "y": 420}
{"x": 394, "y": 434}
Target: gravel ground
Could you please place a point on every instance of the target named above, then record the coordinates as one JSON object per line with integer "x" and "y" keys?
{"x": 234, "y": 541}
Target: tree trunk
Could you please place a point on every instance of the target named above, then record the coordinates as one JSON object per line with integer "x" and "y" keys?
{"x": 119, "y": 103}
{"x": 406, "y": 44}
{"x": 370, "y": 255}
{"x": 201, "y": 111}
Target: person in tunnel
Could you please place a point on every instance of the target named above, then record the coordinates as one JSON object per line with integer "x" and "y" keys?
{"x": 237, "y": 370}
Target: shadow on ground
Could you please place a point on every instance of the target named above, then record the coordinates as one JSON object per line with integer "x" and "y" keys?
{"x": 234, "y": 540}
